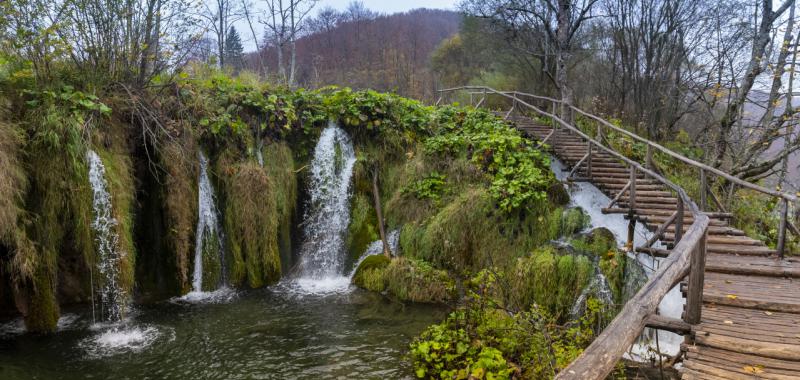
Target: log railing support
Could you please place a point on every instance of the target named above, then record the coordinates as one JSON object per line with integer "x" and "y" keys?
{"x": 781, "y": 245}
{"x": 589, "y": 161}
{"x": 631, "y": 209}
{"x": 679, "y": 222}
{"x": 649, "y": 158}
{"x": 553, "y": 119}
{"x": 694, "y": 295}
{"x": 702, "y": 190}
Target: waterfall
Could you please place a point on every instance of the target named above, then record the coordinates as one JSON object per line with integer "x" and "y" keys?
{"x": 328, "y": 215}
{"x": 597, "y": 287}
{"x": 113, "y": 298}
{"x": 376, "y": 248}
{"x": 208, "y": 235}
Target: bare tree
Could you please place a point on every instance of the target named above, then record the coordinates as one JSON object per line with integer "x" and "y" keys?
{"x": 560, "y": 21}
{"x": 221, "y": 14}
{"x": 284, "y": 22}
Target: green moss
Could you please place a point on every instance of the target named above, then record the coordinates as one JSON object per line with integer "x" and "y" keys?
{"x": 280, "y": 167}
{"x": 250, "y": 222}
{"x": 371, "y": 273}
{"x": 178, "y": 158}
{"x": 574, "y": 220}
{"x": 406, "y": 279}
{"x": 43, "y": 311}
{"x": 549, "y": 279}
{"x": 417, "y": 281}
{"x": 363, "y": 225}
{"x": 602, "y": 244}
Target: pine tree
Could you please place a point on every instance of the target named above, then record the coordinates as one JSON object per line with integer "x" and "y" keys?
{"x": 234, "y": 50}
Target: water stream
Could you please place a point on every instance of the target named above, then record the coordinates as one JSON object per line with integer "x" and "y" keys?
{"x": 208, "y": 234}
{"x": 592, "y": 200}
{"x": 109, "y": 255}
{"x": 322, "y": 254}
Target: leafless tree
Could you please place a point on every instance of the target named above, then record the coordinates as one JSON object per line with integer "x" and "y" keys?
{"x": 284, "y": 23}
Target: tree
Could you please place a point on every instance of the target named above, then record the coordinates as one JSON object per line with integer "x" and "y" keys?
{"x": 221, "y": 14}
{"x": 554, "y": 23}
{"x": 233, "y": 50}
{"x": 284, "y": 23}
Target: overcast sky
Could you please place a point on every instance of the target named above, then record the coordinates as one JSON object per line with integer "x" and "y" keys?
{"x": 381, "y": 6}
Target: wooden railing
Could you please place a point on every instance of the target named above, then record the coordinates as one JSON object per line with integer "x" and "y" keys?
{"x": 687, "y": 256}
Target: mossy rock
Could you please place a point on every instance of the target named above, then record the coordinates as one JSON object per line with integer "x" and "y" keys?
{"x": 557, "y": 194}
{"x": 550, "y": 279}
{"x": 405, "y": 279}
{"x": 363, "y": 228}
{"x": 370, "y": 274}
{"x": 418, "y": 281}
{"x": 573, "y": 220}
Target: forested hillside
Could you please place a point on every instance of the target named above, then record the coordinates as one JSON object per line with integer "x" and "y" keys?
{"x": 368, "y": 50}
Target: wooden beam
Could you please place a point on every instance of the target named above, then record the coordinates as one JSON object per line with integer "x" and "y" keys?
{"x": 674, "y": 325}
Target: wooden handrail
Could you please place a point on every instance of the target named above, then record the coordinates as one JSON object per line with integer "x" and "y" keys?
{"x": 599, "y": 359}
{"x": 788, "y": 196}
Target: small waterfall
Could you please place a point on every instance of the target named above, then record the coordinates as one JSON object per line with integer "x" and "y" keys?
{"x": 599, "y": 288}
{"x": 323, "y": 251}
{"x": 376, "y": 248}
{"x": 208, "y": 235}
{"x": 592, "y": 200}
{"x": 113, "y": 298}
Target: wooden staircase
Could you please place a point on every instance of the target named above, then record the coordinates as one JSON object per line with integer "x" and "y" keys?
{"x": 750, "y": 318}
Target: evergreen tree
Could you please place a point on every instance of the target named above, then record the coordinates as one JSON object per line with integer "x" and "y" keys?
{"x": 234, "y": 50}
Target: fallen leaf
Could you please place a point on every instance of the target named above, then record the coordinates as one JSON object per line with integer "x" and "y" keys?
{"x": 728, "y": 322}
{"x": 732, "y": 296}
{"x": 768, "y": 312}
{"x": 753, "y": 369}
{"x": 728, "y": 282}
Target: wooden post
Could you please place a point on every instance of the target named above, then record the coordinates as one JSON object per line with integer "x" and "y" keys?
{"x": 600, "y": 133}
{"x": 553, "y": 112}
{"x": 781, "y": 246}
{"x": 649, "y": 157}
{"x": 679, "y": 222}
{"x": 483, "y": 99}
{"x": 694, "y": 295}
{"x": 631, "y": 207}
{"x": 702, "y": 189}
{"x": 589, "y": 161}
{"x": 471, "y": 100}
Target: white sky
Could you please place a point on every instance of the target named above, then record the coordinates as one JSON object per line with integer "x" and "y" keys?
{"x": 381, "y": 6}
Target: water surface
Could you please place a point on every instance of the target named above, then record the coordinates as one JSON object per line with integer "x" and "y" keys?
{"x": 262, "y": 334}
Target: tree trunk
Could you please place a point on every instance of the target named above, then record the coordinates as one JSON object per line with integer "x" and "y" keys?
{"x": 377, "y": 198}
{"x": 562, "y": 57}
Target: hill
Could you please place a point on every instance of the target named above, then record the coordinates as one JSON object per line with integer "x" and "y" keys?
{"x": 382, "y": 52}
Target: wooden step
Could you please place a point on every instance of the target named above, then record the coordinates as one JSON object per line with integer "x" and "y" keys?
{"x": 764, "y": 293}
{"x": 760, "y": 266}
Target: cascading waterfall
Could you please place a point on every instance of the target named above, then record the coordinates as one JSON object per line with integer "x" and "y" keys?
{"x": 208, "y": 235}
{"x": 591, "y": 199}
{"x": 113, "y": 298}
{"x": 328, "y": 214}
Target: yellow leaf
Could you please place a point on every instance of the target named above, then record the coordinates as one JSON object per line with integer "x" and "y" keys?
{"x": 768, "y": 312}
{"x": 728, "y": 322}
{"x": 732, "y": 296}
{"x": 753, "y": 369}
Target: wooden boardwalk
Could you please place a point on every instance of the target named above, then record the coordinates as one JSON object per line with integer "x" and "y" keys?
{"x": 750, "y": 321}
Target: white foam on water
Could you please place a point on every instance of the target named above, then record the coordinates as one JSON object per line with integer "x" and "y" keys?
{"x": 12, "y": 328}
{"x": 221, "y": 295}
{"x": 115, "y": 339}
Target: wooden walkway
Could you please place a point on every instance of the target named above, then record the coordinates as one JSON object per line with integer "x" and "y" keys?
{"x": 750, "y": 326}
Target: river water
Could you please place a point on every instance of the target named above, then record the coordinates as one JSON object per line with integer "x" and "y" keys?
{"x": 260, "y": 334}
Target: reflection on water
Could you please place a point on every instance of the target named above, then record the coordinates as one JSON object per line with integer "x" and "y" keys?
{"x": 263, "y": 334}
